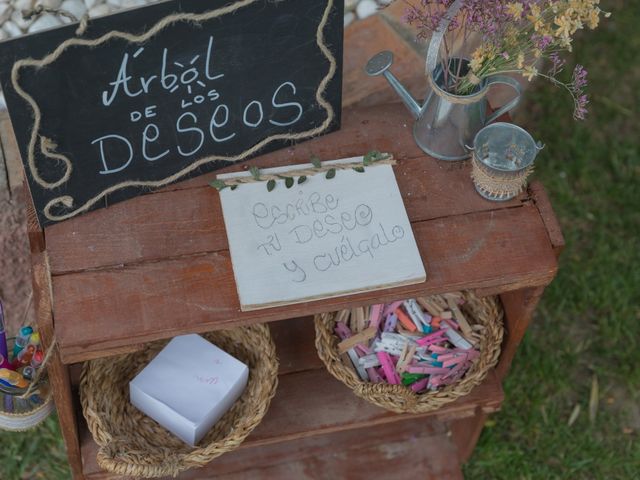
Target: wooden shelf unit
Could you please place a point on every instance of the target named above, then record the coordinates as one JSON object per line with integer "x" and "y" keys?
{"x": 158, "y": 265}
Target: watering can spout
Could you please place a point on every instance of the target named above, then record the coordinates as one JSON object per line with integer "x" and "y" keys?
{"x": 380, "y": 65}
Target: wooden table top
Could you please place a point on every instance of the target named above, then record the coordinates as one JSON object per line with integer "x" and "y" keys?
{"x": 158, "y": 265}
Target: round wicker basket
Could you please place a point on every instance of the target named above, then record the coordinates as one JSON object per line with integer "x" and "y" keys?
{"x": 400, "y": 399}
{"x": 132, "y": 444}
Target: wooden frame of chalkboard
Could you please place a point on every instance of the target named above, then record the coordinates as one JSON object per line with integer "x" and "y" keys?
{"x": 153, "y": 95}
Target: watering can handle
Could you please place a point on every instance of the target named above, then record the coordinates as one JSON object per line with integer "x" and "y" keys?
{"x": 438, "y": 35}
{"x": 504, "y": 80}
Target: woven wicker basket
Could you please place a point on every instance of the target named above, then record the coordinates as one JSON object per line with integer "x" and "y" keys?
{"x": 398, "y": 398}
{"x": 132, "y": 444}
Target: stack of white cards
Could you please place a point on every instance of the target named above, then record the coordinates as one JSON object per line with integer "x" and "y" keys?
{"x": 189, "y": 386}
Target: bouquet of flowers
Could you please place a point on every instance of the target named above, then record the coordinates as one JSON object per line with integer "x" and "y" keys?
{"x": 515, "y": 37}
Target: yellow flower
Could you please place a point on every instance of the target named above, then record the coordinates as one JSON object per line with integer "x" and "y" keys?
{"x": 536, "y": 18}
{"x": 520, "y": 60}
{"x": 476, "y": 64}
{"x": 515, "y": 9}
{"x": 530, "y": 72}
{"x": 565, "y": 27}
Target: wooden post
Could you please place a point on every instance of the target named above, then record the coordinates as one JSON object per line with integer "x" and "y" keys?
{"x": 58, "y": 372}
{"x": 519, "y": 307}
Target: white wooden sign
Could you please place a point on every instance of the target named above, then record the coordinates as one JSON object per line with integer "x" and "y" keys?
{"x": 323, "y": 238}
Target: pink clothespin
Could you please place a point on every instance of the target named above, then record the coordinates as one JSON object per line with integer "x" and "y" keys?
{"x": 373, "y": 375}
{"x": 420, "y": 385}
{"x": 455, "y": 370}
{"x": 431, "y": 338}
{"x": 428, "y": 370}
{"x": 472, "y": 354}
{"x": 435, "y": 381}
{"x": 342, "y": 331}
{"x": 438, "y": 349}
{"x": 363, "y": 349}
{"x": 452, "y": 323}
{"x": 375, "y": 317}
{"x": 454, "y": 361}
{"x": 388, "y": 368}
{"x": 391, "y": 307}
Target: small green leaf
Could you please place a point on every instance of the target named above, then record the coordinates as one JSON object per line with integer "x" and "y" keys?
{"x": 289, "y": 182}
{"x": 233, "y": 187}
{"x": 371, "y": 157}
{"x": 331, "y": 174}
{"x": 271, "y": 184}
{"x": 302, "y": 179}
{"x": 316, "y": 161}
{"x": 359, "y": 169}
{"x": 255, "y": 172}
{"x": 218, "y": 185}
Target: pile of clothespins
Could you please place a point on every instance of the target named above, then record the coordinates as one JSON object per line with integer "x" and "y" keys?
{"x": 422, "y": 343}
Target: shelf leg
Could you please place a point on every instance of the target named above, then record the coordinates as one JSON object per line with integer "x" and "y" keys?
{"x": 57, "y": 371}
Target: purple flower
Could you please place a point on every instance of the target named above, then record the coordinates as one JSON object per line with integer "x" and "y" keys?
{"x": 577, "y": 87}
{"x": 542, "y": 42}
{"x": 580, "y": 112}
{"x": 579, "y": 77}
{"x": 557, "y": 64}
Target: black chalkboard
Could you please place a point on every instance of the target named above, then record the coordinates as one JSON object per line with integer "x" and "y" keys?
{"x": 191, "y": 87}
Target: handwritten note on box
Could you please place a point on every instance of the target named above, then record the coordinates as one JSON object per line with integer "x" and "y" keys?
{"x": 323, "y": 238}
{"x": 189, "y": 386}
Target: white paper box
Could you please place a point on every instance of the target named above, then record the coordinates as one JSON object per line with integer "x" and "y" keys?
{"x": 189, "y": 386}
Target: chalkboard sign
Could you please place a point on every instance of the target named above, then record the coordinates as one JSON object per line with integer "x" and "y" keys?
{"x": 161, "y": 93}
{"x": 320, "y": 238}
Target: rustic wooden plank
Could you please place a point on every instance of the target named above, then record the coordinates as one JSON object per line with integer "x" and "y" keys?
{"x": 294, "y": 341}
{"x": 100, "y": 310}
{"x": 465, "y": 433}
{"x": 428, "y": 458}
{"x": 57, "y": 372}
{"x": 541, "y": 199}
{"x": 325, "y": 453}
{"x": 519, "y": 307}
{"x": 305, "y": 407}
{"x": 187, "y": 218}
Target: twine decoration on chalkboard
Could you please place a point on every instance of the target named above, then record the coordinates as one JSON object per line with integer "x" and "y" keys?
{"x": 47, "y": 146}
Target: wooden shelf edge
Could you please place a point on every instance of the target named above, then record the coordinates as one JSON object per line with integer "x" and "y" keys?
{"x": 425, "y": 448}
{"x": 305, "y": 407}
{"x": 506, "y": 250}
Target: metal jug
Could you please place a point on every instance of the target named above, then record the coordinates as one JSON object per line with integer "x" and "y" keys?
{"x": 503, "y": 156}
{"x": 445, "y": 123}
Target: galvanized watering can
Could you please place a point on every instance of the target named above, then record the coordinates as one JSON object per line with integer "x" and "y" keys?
{"x": 445, "y": 123}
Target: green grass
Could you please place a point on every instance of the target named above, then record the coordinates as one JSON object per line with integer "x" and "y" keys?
{"x": 38, "y": 454}
{"x": 589, "y": 320}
